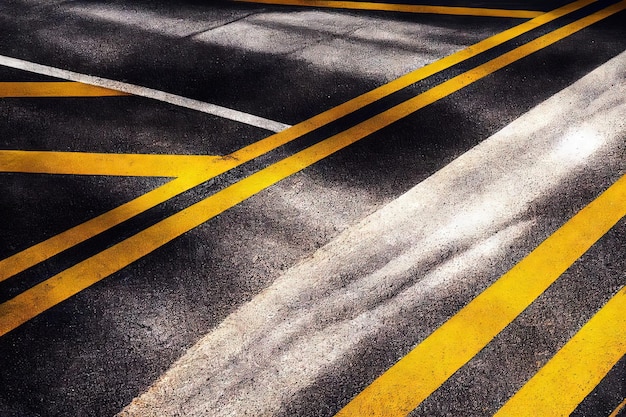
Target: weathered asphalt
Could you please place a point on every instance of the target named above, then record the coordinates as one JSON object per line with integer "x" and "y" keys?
{"x": 94, "y": 353}
{"x": 361, "y": 302}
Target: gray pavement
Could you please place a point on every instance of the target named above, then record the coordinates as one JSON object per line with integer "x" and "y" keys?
{"x": 293, "y": 274}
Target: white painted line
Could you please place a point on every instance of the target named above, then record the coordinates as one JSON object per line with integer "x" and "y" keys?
{"x": 436, "y": 242}
{"x": 137, "y": 90}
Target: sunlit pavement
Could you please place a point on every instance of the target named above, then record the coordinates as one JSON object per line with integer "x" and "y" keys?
{"x": 312, "y": 208}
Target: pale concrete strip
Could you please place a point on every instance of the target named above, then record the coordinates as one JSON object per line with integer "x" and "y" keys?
{"x": 151, "y": 93}
{"x": 467, "y": 214}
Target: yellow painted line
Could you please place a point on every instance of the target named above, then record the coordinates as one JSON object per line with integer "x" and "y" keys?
{"x": 139, "y": 165}
{"x": 55, "y": 89}
{"x": 405, "y": 8}
{"x": 411, "y": 380}
{"x": 618, "y": 409}
{"x": 271, "y": 142}
{"x": 53, "y": 246}
{"x": 576, "y": 369}
{"x": 177, "y": 165}
{"x": 60, "y": 287}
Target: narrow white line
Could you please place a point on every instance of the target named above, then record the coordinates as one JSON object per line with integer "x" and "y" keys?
{"x": 136, "y": 90}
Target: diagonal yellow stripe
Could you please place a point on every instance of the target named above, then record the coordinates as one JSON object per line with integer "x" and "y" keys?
{"x": 60, "y": 287}
{"x": 411, "y": 380}
{"x": 558, "y": 387}
{"x": 50, "y": 247}
{"x": 405, "y": 8}
{"x": 188, "y": 170}
{"x": 55, "y": 89}
{"x": 271, "y": 142}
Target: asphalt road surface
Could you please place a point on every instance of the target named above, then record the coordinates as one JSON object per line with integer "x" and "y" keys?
{"x": 312, "y": 208}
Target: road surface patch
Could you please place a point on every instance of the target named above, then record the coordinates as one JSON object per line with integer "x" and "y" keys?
{"x": 619, "y": 408}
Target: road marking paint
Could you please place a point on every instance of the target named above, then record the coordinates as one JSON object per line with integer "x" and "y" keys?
{"x": 60, "y": 287}
{"x": 55, "y": 89}
{"x": 405, "y": 8}
{"x": 618, "y": 409}
{"x": 412, "y": 379}
{"x": 153, "y": 165}
{"x": 151, "y": 93}
{"x": 82, "y": 163}
{"x": 577, "y": 368}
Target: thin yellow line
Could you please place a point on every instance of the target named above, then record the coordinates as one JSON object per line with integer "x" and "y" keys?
{"x": 618, "y": 409}
{"x": 55, "y": 89}
{"x": 138, "y": 165}
{"x": 271, "y": 142}
{"x": 405, "y": 8}
{"x": 50, "y": 247}
{"x": 171, "y": 165}
{"x": 60, "y": 287}
{"x": 411, "y": 380}
{"x": 577, "y": 368}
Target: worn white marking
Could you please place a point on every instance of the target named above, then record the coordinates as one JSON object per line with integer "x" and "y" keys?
{"x": 151, "y": 93}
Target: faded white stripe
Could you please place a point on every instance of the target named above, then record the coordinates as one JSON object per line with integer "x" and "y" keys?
{"x": 137, "y": 90}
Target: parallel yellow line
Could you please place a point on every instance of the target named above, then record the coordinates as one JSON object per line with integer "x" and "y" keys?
{"x": 411, "y": 380}
{"x": 571, "y": 375}
{"x": 618, "y": 409}
{"x": 48, "y": 248}
{"x": 271, "y": 142}
{"x": 170, "y": 165}
{"x": 60, "y": 287}
{"x": 55, "y": 89}
{"x": 405, "y": 8}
